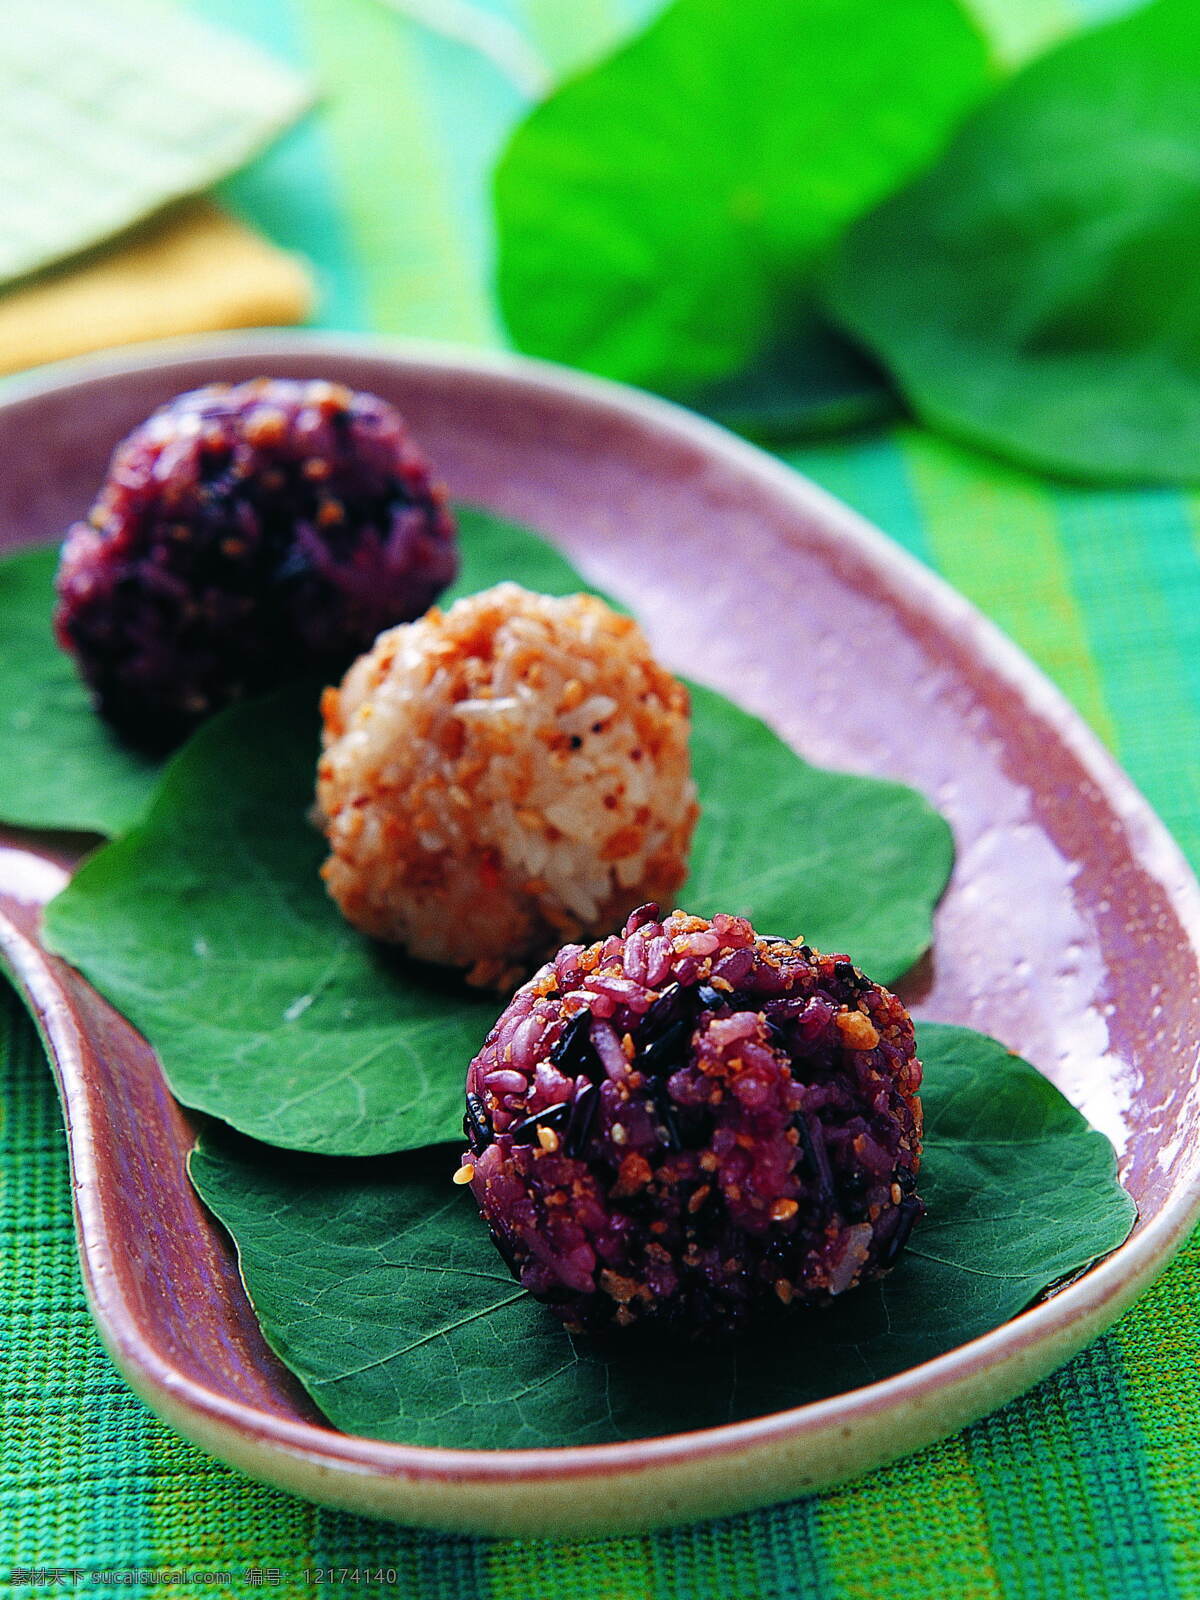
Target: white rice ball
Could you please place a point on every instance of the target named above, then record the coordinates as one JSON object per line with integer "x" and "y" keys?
{"x": 503, "y": 778}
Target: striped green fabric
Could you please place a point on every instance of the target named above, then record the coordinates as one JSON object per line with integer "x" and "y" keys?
{"x": 1090, "y": 1485}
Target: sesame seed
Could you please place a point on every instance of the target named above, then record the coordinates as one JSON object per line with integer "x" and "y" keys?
{"x": 465, "y": 1173}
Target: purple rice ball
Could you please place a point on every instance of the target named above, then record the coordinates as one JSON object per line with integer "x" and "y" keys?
{"x": 687, "y": 1124}
{"x": 246, "y": 535}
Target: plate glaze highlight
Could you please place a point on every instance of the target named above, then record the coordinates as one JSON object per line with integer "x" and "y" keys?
{"x": 1071, "y": 927}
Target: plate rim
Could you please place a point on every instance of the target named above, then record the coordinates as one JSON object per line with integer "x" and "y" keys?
{"x": 1026, "y": 1347}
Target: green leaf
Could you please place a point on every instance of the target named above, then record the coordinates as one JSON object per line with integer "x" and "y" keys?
{"x": 494, "y": 550}
{"x": 60, "y": 767}
{"x": 657, "y": 214}
{"x": 806, "y": 385}
{"x": 1037, "y": 292}
{"x": 208, "y": 927}
{"x": 378, "y": 1286}
{"x": 853, "y": 864}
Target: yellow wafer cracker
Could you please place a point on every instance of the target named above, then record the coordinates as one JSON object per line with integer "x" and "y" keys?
{"x": 192, "y": 269}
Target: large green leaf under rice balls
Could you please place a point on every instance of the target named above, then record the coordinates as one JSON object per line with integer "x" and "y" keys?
{"x": 377, "y": 1285}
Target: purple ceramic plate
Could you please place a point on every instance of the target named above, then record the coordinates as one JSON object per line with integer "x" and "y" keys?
{"x": 1070, "y": 928}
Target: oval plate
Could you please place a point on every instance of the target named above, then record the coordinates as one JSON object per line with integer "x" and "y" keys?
{"x": 1070, "y": 928}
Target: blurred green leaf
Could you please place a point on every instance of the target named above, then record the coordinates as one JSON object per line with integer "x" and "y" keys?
{"x": 657, "y": 213}
{"x": 807, "y": 384}
{"x": 1038, "y": 291}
